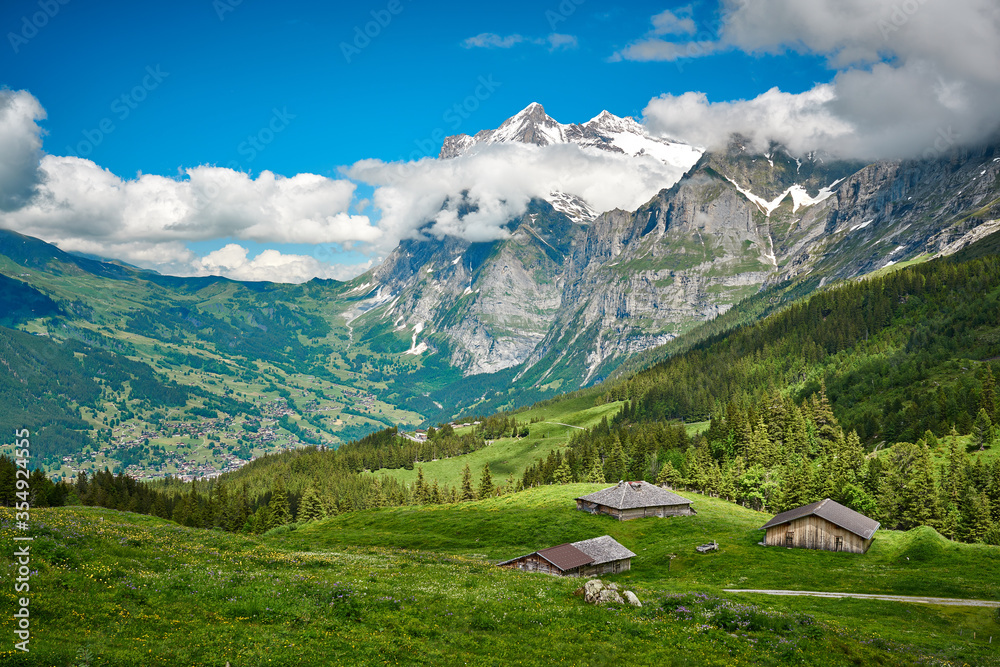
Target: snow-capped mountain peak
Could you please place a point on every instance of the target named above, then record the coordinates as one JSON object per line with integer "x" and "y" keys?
{"x": 604, "y": 132}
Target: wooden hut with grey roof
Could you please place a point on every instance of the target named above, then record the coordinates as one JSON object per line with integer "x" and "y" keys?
{"x": 600, "y": 555}
{"x": 825, "y": 525}
{"x": 634, "y": 500}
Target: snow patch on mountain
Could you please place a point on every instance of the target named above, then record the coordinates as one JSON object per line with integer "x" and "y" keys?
{"x": 800, "y": 197}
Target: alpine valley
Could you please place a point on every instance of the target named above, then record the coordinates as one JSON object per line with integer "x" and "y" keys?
{"x": 249, "y": 473}
{"x": 155, "y": 375}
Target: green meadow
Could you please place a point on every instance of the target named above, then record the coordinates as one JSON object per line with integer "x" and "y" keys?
{"x": 417, "y": 585}
{"x": 550, "y": 428}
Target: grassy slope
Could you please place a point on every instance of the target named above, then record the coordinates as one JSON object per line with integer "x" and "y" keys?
{"x": 508, "y": 457}
{"x": 364, "y": 589}
{"x": 918, "y": 562}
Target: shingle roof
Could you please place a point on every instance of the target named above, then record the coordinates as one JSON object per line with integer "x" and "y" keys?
{"x": 603, "y": 549}
{"x": 596, "y": 551}
{"x": 632, "y": 495}
{"x": 565, "y": 556}
{"x": 833, "y": 512}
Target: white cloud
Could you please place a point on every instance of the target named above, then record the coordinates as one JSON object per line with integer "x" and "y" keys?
{"x": 802, "y": 121}
{"x": 653, "y": 47}
{"x": 677, "y": 22}
{"x": 558, "y": 41}
{"x": 77, "y": 199}
{"x": 20, "y": 146}
{"x": 911, "y": 78}
{"x": 490, "y": 40}
{"x": 148, "y": 220}
{"x": 231, "y": 261}
{"x": 497, "y": 181}
{"x": 656, "y": 49}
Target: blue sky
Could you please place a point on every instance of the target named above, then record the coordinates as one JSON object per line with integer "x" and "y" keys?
{"x": 227, "y": 68}
{"x": 297, "y": 88}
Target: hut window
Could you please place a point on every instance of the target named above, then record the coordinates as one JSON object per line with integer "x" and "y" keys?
{"x": 790, "y": 538}
{"x": 839, "y": 544}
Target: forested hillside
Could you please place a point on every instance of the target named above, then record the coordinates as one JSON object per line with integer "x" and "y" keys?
{"x": 900, "y": 354}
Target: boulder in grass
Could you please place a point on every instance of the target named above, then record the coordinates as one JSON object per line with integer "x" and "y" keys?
{"x": 632, "y": 599}
{"x": 596, "y": 591}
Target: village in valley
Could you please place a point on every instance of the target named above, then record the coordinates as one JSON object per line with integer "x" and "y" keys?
{"x": 191, "y": 446}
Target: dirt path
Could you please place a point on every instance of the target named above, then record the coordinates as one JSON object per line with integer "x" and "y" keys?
{"x": 561, "y": 424}
{"x": 868, "y": 596}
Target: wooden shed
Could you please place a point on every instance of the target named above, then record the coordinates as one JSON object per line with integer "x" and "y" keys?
{"x": 825, "y": 525}
{"x": 600, "y": 555}
{"x": 634, "y": 500}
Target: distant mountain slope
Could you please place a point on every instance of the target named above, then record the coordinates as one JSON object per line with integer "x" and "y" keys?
{"x": 736, "y": 224}
{"x": 30, "y": 252}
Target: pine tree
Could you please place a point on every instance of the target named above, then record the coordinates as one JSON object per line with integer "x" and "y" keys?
{"x": 420, "y": 490}
{"x": 993, "y": 490}
{"x": 220, "y": 506}
{"x": 668, "y": 476}
{"x": 931, "y": 439}
{"x": 918, "y": 499}
{"x": 279, "y": 514}
{"x": 950, "y": 521}
{"x": 486, "y": 482}
{"x": 595, "y": 472}
{"x": 975, "y": 521}
{"x": 727, "y": 486}
{"x": 638, "y": 464}
{"x": 954, "y": 480}
{"x": 988, "y": 396}
{"x": 563, "y": 474}
{"x": 468, "y": 493}
{"x": 692, "y": 470}
{"x": 760, "y": 449}
{"x": 982, "y": 429}
{"x": 181, "y": 512}
{"x": 798, "y": 485}
{"x": 822, "y": 415}
{"x": 796, "y": 432}
{"x": 310, "y": 507}
{"x": 616, "y": 466}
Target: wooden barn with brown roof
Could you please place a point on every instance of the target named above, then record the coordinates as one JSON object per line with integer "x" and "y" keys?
{"x": 634, "y": 500}
{"x": 825, "y": 525}
{"x": 600, "y": 555}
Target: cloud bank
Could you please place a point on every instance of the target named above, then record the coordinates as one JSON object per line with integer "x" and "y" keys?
{"x": 498, "y": 180}
{"x": 911, "y": 78}
{"x": 148, "y": 220}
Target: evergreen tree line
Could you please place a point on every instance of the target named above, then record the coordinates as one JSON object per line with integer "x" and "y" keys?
{"x": 41, "y": 491}
{"x": 218, "y": 504}
{"x": 778, "y": 454}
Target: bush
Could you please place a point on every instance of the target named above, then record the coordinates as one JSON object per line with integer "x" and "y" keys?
{"x": 288, "y": 527}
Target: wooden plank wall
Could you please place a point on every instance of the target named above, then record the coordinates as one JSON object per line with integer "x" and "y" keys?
{"x": 639, "y": 512}
{"x": 813, "y": 532}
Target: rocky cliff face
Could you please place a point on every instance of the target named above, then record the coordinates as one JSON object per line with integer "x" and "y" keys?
{"x": 565, "y": 303}
{"x": 486, "y": 305}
